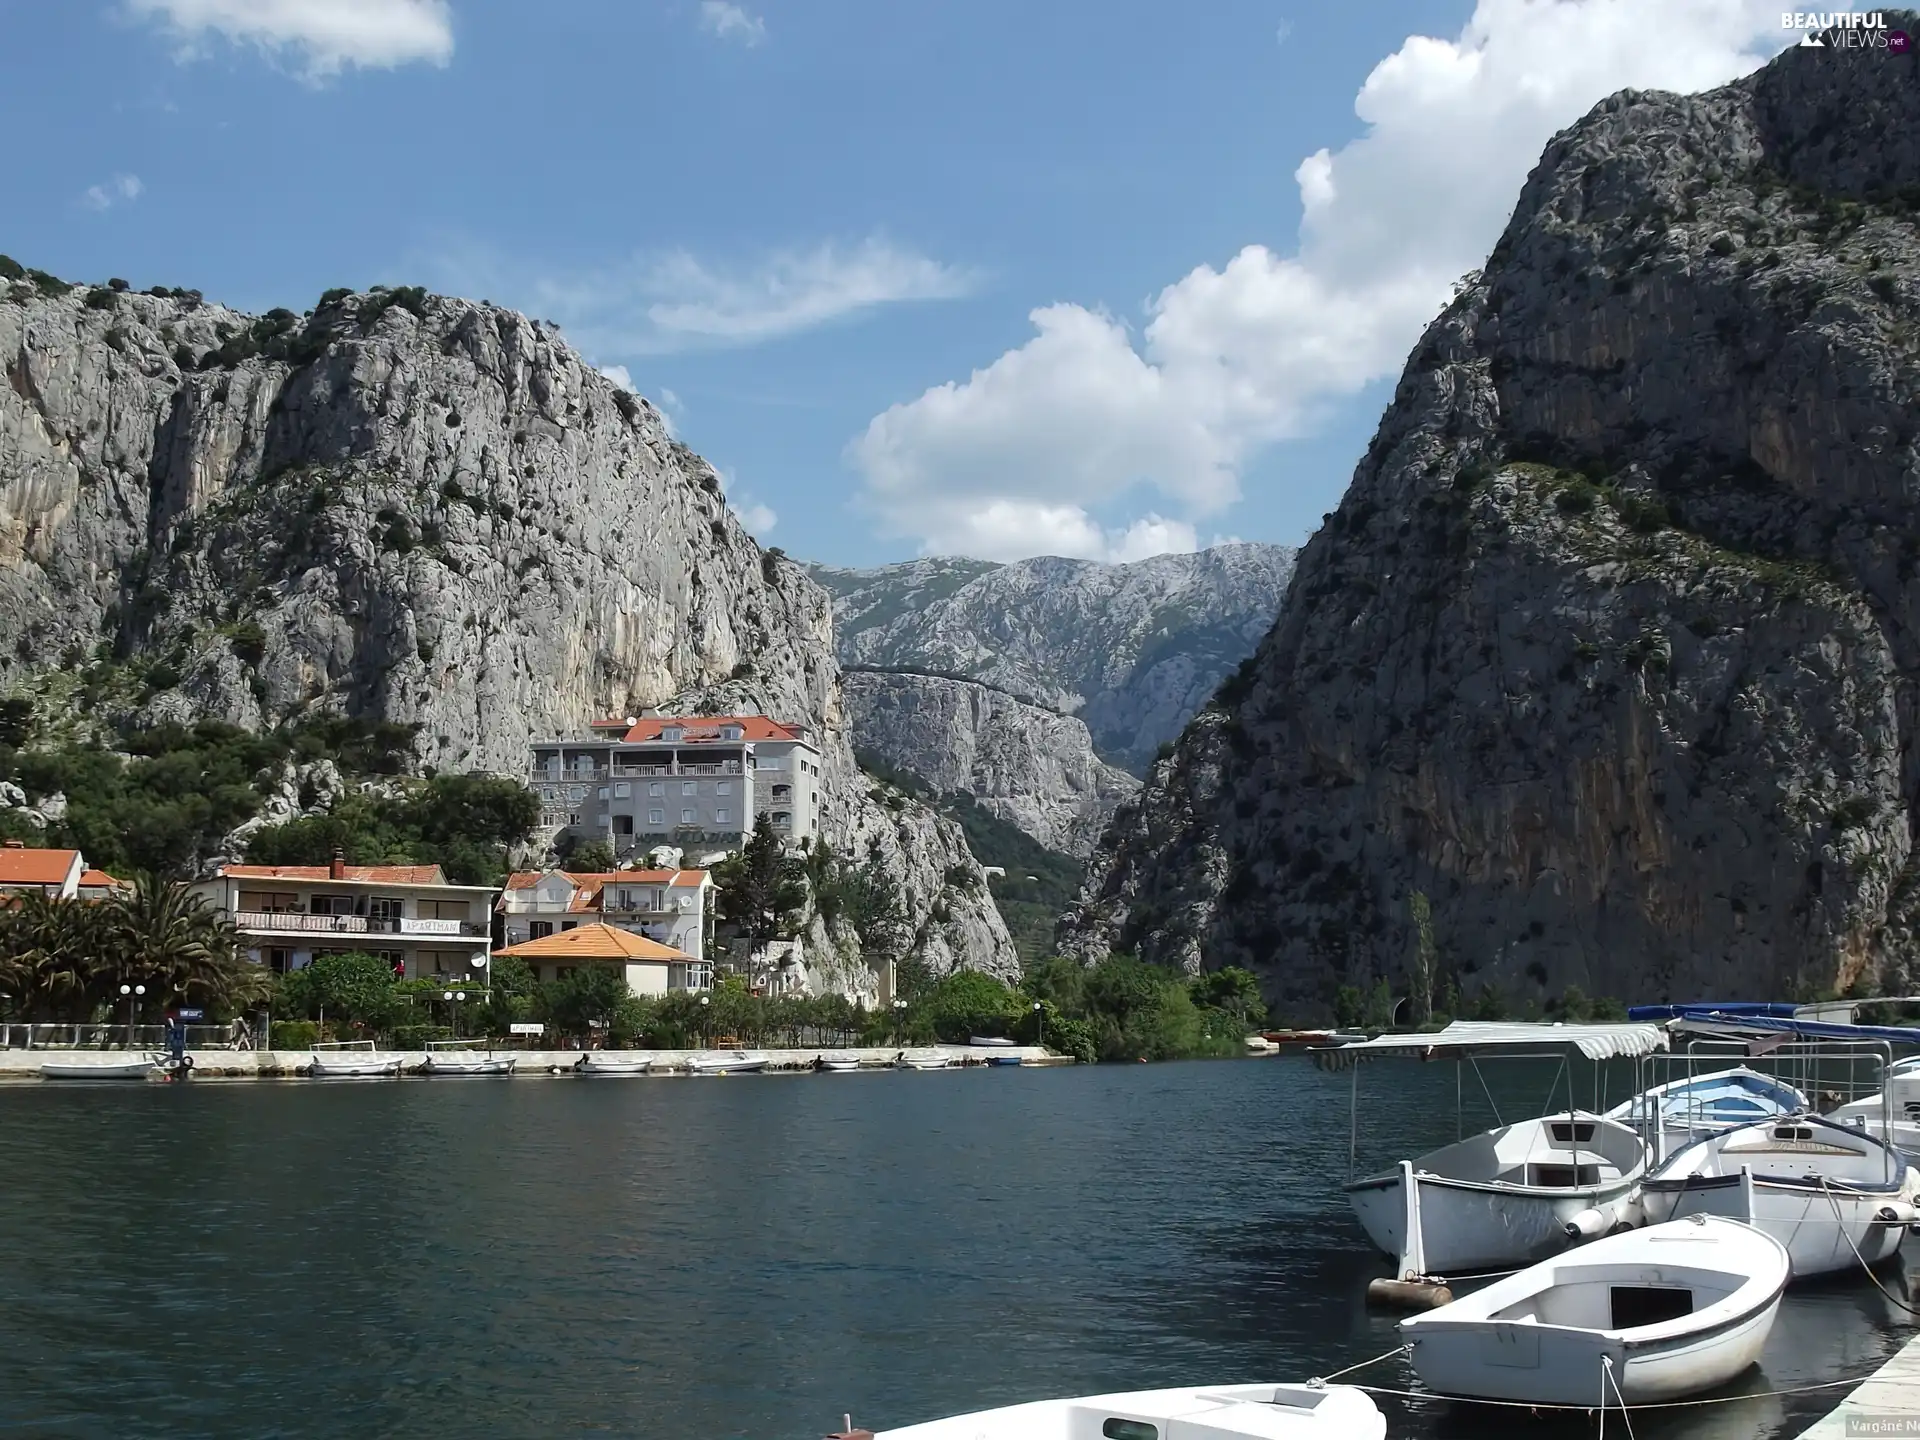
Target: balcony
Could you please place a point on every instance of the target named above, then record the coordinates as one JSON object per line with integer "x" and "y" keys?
{"x": 287, "y": 921}
{"x": 629, "y": 771}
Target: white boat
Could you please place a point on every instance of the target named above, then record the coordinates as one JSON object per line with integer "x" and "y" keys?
{"x": 71, "y": 1068}
{"x": 618, "y": 1064}
{"x": 667, "y": 1065}
{"x": 1683, "y": 1110}
{"x": 353, "y": 1065}
{"x": 444, "y": 1062}
{"x": 727, "y": 1062}
{"x": 1894, "y": 1115}
{"x": 1220, "y": 1412}
{"x": 1637, "y": 1318}
{"x": 923, "y": 1060}
{"x": 998, "y": 1042}
{"x": 1833, "y": 1195}
{"x": 838, "y": 1064}
{"x": 1505, "y": 1196}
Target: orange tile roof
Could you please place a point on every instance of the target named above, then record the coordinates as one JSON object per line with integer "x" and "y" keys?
{"x": 368, "y": 874}
{"x": 23, "y": 866}
{"x": 705, "y": 729}
{"x": 98, "y": 880}
{"x": 593, "y": 942}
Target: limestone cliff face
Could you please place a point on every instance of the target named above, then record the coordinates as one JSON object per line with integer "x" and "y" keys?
{"x": 1133, "y": 650}
{"x": 1032, "y": 767}
{"x": 403, "y": 506}
{"x": 1610, "y": 648}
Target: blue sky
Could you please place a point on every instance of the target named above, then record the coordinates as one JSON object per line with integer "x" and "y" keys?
{"x": 819, "y": 234}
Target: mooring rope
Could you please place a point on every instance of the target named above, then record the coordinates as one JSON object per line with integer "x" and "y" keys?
{"x": 1589, "y": 1409}
{"x": 1847, "y": 1235}
{"x": 1397, "y": 1350}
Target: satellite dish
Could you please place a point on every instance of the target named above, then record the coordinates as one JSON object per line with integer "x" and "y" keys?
{"x": 479, "y": 962}
{"x": 633, "y": 719}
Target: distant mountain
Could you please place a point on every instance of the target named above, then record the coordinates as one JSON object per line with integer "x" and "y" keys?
{"x": 1132, "y": 650}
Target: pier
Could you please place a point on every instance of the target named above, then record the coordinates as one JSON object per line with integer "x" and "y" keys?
{"x": 1886, "y": 1403}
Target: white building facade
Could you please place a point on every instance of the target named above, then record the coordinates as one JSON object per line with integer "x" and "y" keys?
{"x": 669, "y": 906}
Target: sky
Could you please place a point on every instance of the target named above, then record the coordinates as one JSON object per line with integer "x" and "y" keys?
{"x": 995, "y": 278}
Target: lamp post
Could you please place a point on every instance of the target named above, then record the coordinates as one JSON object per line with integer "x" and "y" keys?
{"x": 133, "y": 994}
{"x": 1040, "y": 1025}
{"x": 899, "y": 1017}
{"x": 453, "y": 998}
{"x": 705, "y": 1002}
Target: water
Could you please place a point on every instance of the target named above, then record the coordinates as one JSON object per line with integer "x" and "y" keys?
{"x": 714, "y": 1258}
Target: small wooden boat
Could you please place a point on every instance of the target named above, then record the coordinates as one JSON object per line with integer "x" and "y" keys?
{"x": 1506, "y": 1196}
{"x": 667, "y": 1065}
{"x": 1637, "y": 1318}
{"x": 119, "y": 1068}
{"x": 923, "y": 1060}
{"x": 1220, "y": 1412}
{"x": 353, "y": 1065}
{"x": 1833, "y": 1195}
{"x": 731, "y": 1062}
{"x": 1004, "y": 1060}
{"x": 617, "y": 1064}
{"x": 837, "y": 1064}
{"x": 991, "y": 1042}
{"x": 1682, "y": 1111}
{"x": 443, "y": 1062}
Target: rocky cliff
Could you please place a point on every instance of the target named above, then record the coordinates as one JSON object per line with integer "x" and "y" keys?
{"x": 1133, "y": 650}
{"x": 408, "y": 507}
{"x": 1033, "y": 767}
{"x": 1610, "y": 648}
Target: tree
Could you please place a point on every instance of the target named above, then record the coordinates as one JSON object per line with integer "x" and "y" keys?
{"x": 161, "y": 933}
{"x": 761, "y": 890}
{"x": 1379, "y": 1010}
{"x": 576, "y": 1000}
{"x": 592, "y": 857}
{"x": 354, "y": 988}
{"x": 1233, "y": 993}
{"x": 968, "y": 1003}
{"x": 1420, "y": 981}
{"x": 1349, "y": 1007}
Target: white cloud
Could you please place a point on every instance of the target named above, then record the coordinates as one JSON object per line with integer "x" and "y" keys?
{"x": 758, "y": 518}
{"x": 329, "y": 35}
{"x": 618, "y": 374}
{"x": 730, "y": 22}
{"x": 655, "y": 304}
{"x": 117, "y": 191}
{"x": 1230, "y": 360}
{"x": 672, "y": 411}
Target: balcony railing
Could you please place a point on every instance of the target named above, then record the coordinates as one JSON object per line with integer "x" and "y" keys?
{"x": 286, "y": 920}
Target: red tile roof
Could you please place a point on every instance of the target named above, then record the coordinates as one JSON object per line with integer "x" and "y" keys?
{"x": 593, "y": 942}
{"x": 705, "y": 729}
{"x": 98, "y": 880}
{"x": 22, "y": 866}
{"x": 368, "y": 874}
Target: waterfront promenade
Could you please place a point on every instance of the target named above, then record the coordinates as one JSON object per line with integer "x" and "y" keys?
{"x": 23, "y": 1066}
{"x": 1886, "y": 1403}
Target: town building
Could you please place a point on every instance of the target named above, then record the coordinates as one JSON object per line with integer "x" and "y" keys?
{"x": 408, "y": 915}
{"x": 694, "y": 782}
{"x": 648, "y": 967}
{"x": 670, "y": 906}
{"x": 57, "y": 874}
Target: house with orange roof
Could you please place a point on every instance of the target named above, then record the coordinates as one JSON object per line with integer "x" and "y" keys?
{"x": 669, "y": 906}
{"x": 56, "y": 874}
{"x": 411, "y": 916}
{"x": 695, "y": 782}
{"x": 648, "y": 967}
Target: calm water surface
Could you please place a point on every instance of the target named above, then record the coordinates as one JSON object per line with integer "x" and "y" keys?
{"x": 706, "y": 1258}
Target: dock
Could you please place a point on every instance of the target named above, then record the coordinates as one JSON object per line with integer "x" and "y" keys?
{"x": 1885, "y": 1403}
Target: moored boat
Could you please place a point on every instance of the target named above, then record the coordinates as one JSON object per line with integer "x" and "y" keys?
{"x": 1220, "y": 1412}
{"x": 619, "y": 1064}
{"x": 729, "y": 1062}
{"x": 1683, "y": 1110}
{"x": 72, "y": 1068}
{"x": 923, "y": 1060}
{"x": 837, "y": 1063}
{"x": 1636, "y": 1318}
{"x": 455, "y": 1063}
{"x": 1833, "y": 1195}
{"x": 353, "y": 1065}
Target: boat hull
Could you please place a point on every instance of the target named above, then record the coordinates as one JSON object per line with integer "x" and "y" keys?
{"x": 1821, "y": 1229}
{"x": 1469, "y": 1225}
{"x": 483, "y": 1065}
{"x": 1546, "y": 1365}
{"x": 353, "y": 1069}
{"x": 104, "y": 1070}
{"x": 609, "y": 1070}
{"x": 726, "y": 1067}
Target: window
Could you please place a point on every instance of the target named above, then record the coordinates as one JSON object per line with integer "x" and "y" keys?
{"x": 723, "y": 787}
{"x": 270, "y": 902}
{"x": 569, "y": 925}
{"x": 442, "y": 909}
{"x": 689, "y": 787}
{"x": 539, "y": 929}
{"x": 385, "y": 907}
{"x": 623, "y": 824}
{"x": 687, "y": 817}
{"x": 656, "y": 817}
{"x": 1117, "y": 1429}
{"x": 277, "y": 960}
{"x": 721, "y": 816}
{"x": 656, "y": 787}
{"x": 604, "y": 792}
{"x": 622, "y": 790}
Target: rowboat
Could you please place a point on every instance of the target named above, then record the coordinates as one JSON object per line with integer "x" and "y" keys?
{"x": 453, "y": 1063}
{"x": 838, "y": 1064}
{"x": 1259, "y": 1412}
{"x": 1684, "y": 1110}
{"x": 731, "y": 1062}
{"x": 73, "y": 1068}
{"x": 347, "y": 1065}
{"x": 1636, "y": 1318}
{"x": 1833, "y": 1195}
{"x": 923, "y": 1060}
{"x": 617, "y": 1064}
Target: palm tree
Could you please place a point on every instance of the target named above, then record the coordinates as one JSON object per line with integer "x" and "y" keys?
{"x": 160, "y": 933}
{"x": 53, "y": 949}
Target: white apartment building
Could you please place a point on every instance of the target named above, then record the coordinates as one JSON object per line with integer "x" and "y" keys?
{"x": 670, "y": 906}
{"x": 408, "y": 915}
{"x": 688, "y": 781}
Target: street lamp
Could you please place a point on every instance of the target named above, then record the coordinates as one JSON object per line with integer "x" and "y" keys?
{"x": 133, "y": 994}
{"x": 705, "y": 1034}
{"x": 899, "y": 1016}
{"x": 453, "y": 998}
{"x": 1040, "y": 1025}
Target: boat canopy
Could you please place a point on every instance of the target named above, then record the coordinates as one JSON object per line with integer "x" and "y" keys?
{"x": 1718, "y": 1007}
{"x": 1464, "y": 1039}
{"x": 1701, "y": 1020}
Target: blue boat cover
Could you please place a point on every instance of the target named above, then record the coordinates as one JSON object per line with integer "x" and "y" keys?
{"x": 1729, "y": 1007}
{"x": 1812, "y": 1029}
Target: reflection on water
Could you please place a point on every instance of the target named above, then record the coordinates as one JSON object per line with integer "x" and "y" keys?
{"x": 741, "y": 1257}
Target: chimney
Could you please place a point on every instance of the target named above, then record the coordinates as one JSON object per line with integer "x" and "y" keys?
{"x": 338, "y": 869}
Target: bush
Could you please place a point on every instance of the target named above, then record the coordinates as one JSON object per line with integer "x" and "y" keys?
{"x": 1577, "y": 498}
{"x": 294, "y": 1034}
{"x": 117, "y": 284}
{"x": 11, "y": 269}
{"x": 101, "y": 298}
